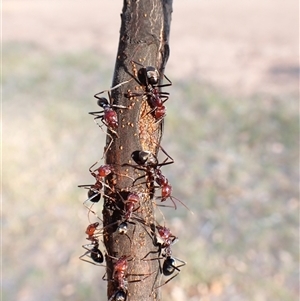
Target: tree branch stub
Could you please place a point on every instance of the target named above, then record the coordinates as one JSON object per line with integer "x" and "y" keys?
{"x": 143, "y": 41}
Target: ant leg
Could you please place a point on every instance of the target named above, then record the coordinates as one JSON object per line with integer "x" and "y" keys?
{"x": 98, "y": 114}
{"x": 183, "y": 263}
{"x": 166, "y": 281}
{"x": 124, "y": 175}
{"x": 109, "y": 144}
{"x": 163, "y": 216}
{"x": 168, "y": 157}
{"x": 114, "y": 105}
{"x": 90, "y": 169}
{"x": 101, "y": 117}
{"x": 164, "y": 96}
{"x": 142, "y": 168}
{"x": 113, "y": 295}
{"x": 139, "y": 280}
{"x": 134, "y": 94}
{"x": 166, "y": 85}
{"x": 159, "y": 272}
{"x": 165, "y": 161}
{"x": 113, "y": 88}
{"x": 151, "y": 259}
{"x": 172, "y": 197}
{"x": 166, "y": 206}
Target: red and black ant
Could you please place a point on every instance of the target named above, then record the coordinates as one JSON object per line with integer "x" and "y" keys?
{"x": 94, "y": 252}
{"x": 95, "y": 190}
{"x": 164, "y": 240}
{"x": 166, "y": 189}
{"x": 169, "y": 265}
{"x": 149, "y": 77}
{"x": 120, "y": 274}
{"x": 149, "y": 163}
{"x": 129, "y": 205}
{"x": 108, "y": 115}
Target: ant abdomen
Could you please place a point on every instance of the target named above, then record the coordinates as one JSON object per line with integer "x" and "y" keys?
{"x": 97, "y": 255}
{"x": 102, "y": 102}
{"x": 144, "y": 158}
{"x": 120, "y": 296}
{"x": 169, "y": 266}
{"x": 148, "y": 75}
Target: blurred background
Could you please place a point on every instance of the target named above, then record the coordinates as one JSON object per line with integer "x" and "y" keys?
{"x": 231, "y": 126}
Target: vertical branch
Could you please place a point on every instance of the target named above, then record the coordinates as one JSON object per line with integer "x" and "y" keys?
{"x": 143, "y": 40}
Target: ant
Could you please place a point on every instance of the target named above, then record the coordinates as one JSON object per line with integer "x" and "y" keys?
{"x": 120, "y": 274}
{"x": 169, "y": 267}
{"x": 164, "y": 242}
{"x": 108, "y": 115}
{"x": 149, "y": 77}
{"x": 95, "y": 190}
{"x": 169, "y": 264}
{"x": 149, "y": 163}
{"x": 120, "y": 268}
{"x": 166, "y": 189}
{"x": 94, "y": 195}
{"x": 130, "y": 205}
{"x": 94, "y": 252}
{"x": 99, "y": 174}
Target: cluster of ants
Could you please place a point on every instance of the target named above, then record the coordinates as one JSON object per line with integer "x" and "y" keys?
{"x": 162, "y": 237}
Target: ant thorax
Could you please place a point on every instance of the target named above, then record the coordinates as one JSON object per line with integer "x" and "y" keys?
{"x": 159, "y": 240}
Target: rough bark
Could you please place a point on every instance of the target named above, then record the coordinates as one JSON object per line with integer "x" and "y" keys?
{"x": 143, "y": 39}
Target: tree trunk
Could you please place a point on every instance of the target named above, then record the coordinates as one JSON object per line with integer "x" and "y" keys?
{"x": 143, "y": 42}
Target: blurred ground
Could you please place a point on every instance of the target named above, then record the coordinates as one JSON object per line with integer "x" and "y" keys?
{"x": 244, "y": 47}
{"x": 235, "y": 72}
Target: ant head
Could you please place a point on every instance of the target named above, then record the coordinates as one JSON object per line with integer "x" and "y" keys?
{"x": 144, "y": 158}
{"x": 148, "y": 75}
{"x": 102, "y": 102}
{"x": 133, "y": 197}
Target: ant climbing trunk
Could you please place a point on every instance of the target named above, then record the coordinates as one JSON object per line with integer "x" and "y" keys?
{"x": 129, "y": 207}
